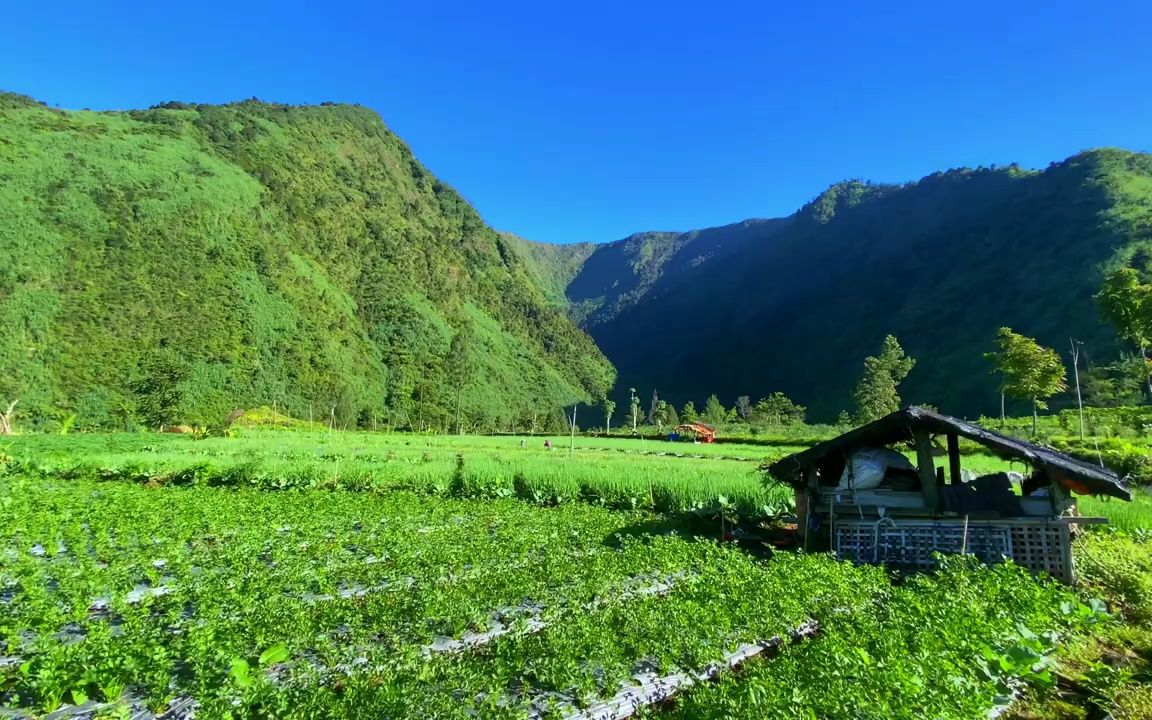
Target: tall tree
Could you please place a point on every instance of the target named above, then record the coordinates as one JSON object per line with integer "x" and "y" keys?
{"x": 161, "y": 387}
{"x": 877, "y": 393}
{"x": 1126, "y": 303}
{"x": 609, "y": 406}
{"x": 664, "y": 414}
{"x": 1115, "y": 384}
{"x": 652, "y": 408}
{"x": 744, "y": 407}
{"x": 635, "y": 408}
{"x": 458, "y": 365}
{"x": 778, "y": 409}
{"x": 714, "y": 412}
{"x": 689, "y": 414}
{"x": 1029, "y": 370}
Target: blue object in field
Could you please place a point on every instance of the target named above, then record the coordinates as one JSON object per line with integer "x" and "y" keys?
{"x": 673, "y": 437}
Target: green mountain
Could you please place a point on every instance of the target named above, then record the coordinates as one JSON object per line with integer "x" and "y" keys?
{"x": 600, "y": 281}
{"x": 176, "y": 263}
{"x": 796, "y": 305}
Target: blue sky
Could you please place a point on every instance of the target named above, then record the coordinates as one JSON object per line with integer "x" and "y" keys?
{"x": 589, "y": 121}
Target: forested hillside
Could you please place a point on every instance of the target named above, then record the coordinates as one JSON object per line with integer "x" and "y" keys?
{"x": 176, "y": 263}
{"x": 941, "y": 263}
{"x": 601, "y": 281}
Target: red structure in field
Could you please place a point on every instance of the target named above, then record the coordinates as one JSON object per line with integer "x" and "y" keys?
{"x": 702, "y": 431}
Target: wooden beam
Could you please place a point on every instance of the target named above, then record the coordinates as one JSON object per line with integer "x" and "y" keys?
{"x": 954, "y": 458}
{"x": 927, "y": 469}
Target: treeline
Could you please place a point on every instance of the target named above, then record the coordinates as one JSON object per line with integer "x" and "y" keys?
{"x": 775, "y": 410}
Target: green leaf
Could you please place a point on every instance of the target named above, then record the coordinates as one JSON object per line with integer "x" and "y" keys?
{"x": 275, "y": 654}
{"x": 241, "y": 672}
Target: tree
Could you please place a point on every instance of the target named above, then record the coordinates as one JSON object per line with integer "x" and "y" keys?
{"x": 344, "y": 411}
{"x": 635, "y": 409}
{"x": 777, "y": 409}
{"x": 744, "y": 407}
{"x": 402, "y": 374}
{"x": 652, "y": 408}
{"x": 664, "y": 414}
{"x": 160, "y": 388}
{"x": 689, "y": 414}
{"x": 458, "y": 365}
{"x": 877, "y": 392}
{"x": 714, "y": 412}
{"x": 609, "y": 406}
{"x": 1116, "y": 384}
{"x": 1028, "y": 370}
{"x": 431, "y": 405}
{"x": 1126, "y": 303}
{"x": 6, "y": 418}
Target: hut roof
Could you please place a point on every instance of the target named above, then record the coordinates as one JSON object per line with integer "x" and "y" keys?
{"x": 899, "y": 426}
{"x": 697, "y": 428}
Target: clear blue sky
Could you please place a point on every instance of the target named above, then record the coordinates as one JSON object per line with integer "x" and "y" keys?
{"x": 589, "y": 120}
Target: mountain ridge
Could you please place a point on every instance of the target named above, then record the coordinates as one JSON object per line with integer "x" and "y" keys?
{"x": 862, "y": 260}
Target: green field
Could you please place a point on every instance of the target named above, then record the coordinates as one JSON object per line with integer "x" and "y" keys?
{"x": 319, "y": 603}
{"x": 626, "y": 474}
{"x": 328, "y": 574}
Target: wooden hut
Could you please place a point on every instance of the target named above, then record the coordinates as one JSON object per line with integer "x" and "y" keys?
{"x": 918, "y": 510}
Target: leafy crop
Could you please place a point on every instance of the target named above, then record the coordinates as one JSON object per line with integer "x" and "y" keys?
{"x": 307, "y": 603}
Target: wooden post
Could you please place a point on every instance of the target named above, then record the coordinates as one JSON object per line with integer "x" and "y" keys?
{"x": 811, "y": 491}
{"x": 1068, "y": 562}
{"x": 801, "y": 494}
{"x": 927, "y": 470}
{"x": 954, "y": 458}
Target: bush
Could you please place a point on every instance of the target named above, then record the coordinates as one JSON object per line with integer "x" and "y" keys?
{"x": 1133, "y": 702}
{"x": 1120, "y": 569}
{"x": 1126, "y": 458}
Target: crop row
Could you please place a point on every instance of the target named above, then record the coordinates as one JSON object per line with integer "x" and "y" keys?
{"x": 661, "y": 484}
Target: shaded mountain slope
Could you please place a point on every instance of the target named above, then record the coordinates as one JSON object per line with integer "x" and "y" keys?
{"x": 941, "y": 263}
{"x": 601, "y": 281}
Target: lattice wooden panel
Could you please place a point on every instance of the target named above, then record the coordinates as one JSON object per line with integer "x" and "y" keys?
{"x": 1043, "y": 548}
{"x": 912, "y": 543}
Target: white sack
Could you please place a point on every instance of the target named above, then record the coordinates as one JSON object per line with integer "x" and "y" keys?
{"x": 865, "y": 468}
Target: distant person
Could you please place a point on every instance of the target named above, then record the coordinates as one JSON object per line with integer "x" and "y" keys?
{"x": 521, "y": 442}
{"x": 547, "y": 444}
